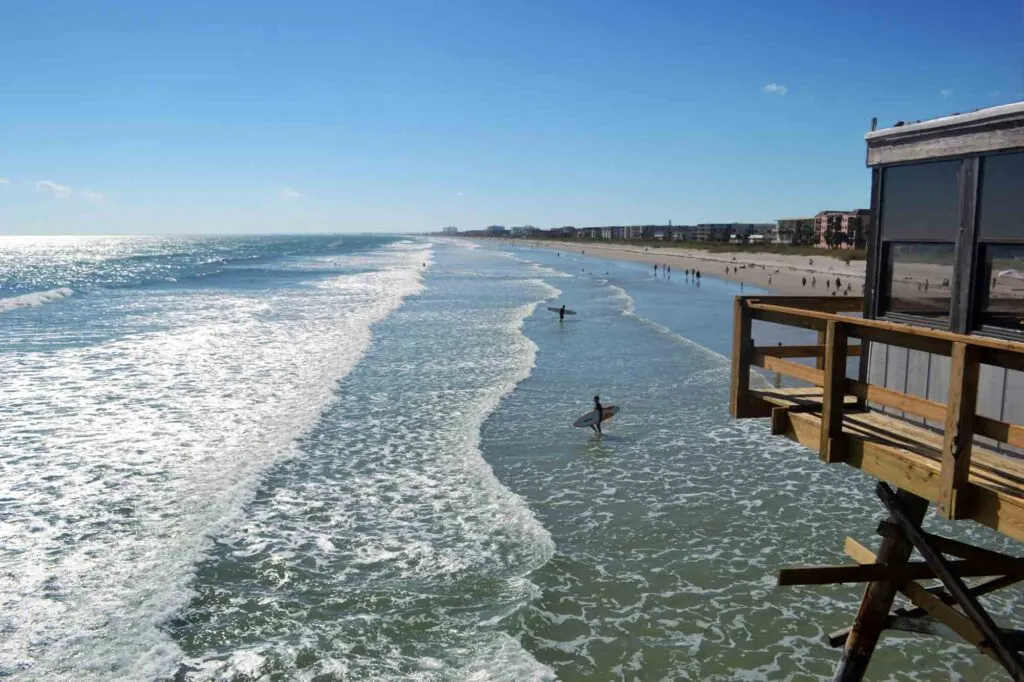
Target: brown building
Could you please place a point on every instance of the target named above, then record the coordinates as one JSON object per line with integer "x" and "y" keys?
{"x": 842, "y": 229}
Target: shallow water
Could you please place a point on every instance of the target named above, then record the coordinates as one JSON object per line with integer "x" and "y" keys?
{"x": 314, "y": 458}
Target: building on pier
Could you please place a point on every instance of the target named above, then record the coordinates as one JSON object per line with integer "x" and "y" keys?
{"x": 920, "y": 383}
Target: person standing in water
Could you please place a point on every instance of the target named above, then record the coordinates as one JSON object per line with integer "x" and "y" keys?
{"x": 600, "y": 415}
{"x": 561, "y": 313}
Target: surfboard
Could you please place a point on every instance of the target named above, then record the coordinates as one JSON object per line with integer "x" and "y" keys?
{"x": 567, "y": 311}
{"x": 590, "y": 418}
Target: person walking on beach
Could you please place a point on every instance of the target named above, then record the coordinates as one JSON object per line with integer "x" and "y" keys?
{"x": 804, "y": 282}
{"x": 600, "y": 415}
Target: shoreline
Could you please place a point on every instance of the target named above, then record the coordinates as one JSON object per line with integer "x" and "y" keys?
{"x": 779, "y": 273}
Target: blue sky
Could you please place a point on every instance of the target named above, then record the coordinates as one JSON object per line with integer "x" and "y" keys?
{"x": 228, "y": 116}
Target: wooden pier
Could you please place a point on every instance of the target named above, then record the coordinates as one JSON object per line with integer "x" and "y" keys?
{"x": 963, "y": 465}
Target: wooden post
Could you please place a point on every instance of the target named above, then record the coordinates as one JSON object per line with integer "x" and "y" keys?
{"x": 993, "y": 638}
{"x": 834, "y": 392}
{"x": 822, "y": 340}
{"x": 878, "y": 598}
{"x": 742, "y": 346}
{"x": 959, "y": 431}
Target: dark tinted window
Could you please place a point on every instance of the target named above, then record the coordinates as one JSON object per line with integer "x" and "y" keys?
{"x": 918, "y": 278}
{"x": 921, "y": 202}
{"x": 1001, "y": 205}
{"x": 1001, "y": 286}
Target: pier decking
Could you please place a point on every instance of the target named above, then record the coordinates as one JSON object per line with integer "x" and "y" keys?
{"x": 951, "y": 457}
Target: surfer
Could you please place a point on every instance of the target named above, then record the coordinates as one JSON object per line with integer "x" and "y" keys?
{"x": 600, "y": 415}
{"x": 561, "y": 313}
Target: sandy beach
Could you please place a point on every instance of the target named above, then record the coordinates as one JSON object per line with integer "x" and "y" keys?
{"x": 783, "y": 274}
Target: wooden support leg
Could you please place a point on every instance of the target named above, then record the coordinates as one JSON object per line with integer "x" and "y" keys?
{"x": 1003, "y": 649}
{"x": 878, "y": 599}
{"x": 742, "y": 352}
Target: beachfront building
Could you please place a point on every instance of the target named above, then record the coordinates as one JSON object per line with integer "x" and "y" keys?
{"x": 633, "y": 232}
{"x": 497, "y": 231}
{"x": 923, "y": 391}
{"x": 449, "y": 230}
{"x": 713, "y": 232}
{"x": 566, "y": 232}
{"x": 842, "y": 229}
{"x": 794, "y": 231}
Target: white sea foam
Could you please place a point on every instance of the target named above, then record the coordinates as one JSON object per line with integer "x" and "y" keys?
{"x": 390, "y": 500}
{"x": 34, "y": 299}
{"x": 121, "y": 459}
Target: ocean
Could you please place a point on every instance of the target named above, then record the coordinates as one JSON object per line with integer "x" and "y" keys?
{"x": 351, "y": 458}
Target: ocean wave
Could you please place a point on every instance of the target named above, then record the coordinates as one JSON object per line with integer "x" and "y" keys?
{"x": 35, "y": 299}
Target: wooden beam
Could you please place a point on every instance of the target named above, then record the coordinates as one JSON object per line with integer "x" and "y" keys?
{"x": 947, "y": 615}
{"x": 795, "y": 370}
{"x": 915, "y": 570}
{"x": 858, "y": 552}
{"x": 760, "y": 352}
{"x": 959, "y": 431}
{"x": 948, "y": 545}
{"x": 779, "y": 421}
{"x": 831, "y": 449}
{"x": 789, "y": 317}
{"x": 742, "y": 343}
{"x": 922, "y": 598}
{"x": 878, "y": 598}
{"x": 921, "y": 407}
{"x": 943, "y": 569}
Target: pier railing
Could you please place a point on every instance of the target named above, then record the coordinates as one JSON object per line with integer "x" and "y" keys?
{"x": 839, "y": 395}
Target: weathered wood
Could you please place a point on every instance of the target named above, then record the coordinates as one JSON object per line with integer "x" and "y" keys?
{"x": 858, "y": 552}
{"x": 873, "y": 612}
{"x": 915, "y": 570}
{"x": 902, "y": 334}
{"x": 831, "y": 449}
{"x": 779, "y": 421}
{"x": 904, "y": 402}
{"x": 1011, "y": 434}
{"x": 922, "y": 597}
{"x": 942, "y": 612}
{"x": 959, "y": 432}
{"x": 939, "y": 146}
{"x": 739, "y": 387}
{"x": 949, "y": 545}
{"x": 838, "y": 637}
{"x": 794, "y": 369}
{"x": 950, "y": 578}
{"x": 761, "y": 352}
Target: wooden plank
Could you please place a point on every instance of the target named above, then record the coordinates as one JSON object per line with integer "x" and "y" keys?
{"x": 795, "y": 370}
{"x": 739, "y": 386}
{"x": 761, "y": 352}
{"x": 959, "y": 432}
{"x": 915, "y": 570}
{"x": 831, "y": 447}
{"x": 838, "y": 637}
{"x": 828, "y": 304}
{"x": 921, "y": 597}
{"x": 953, "y": 619}
{"x": 904, "y": 402}
{"x": 951, "y": 579}
{"x": 789, "y": 317}
{"x": 899, "y": 337}
{"x": 945, "y": 146}
{"x": 873, "y": 612}
{"x": 779, "y": 421}
{"x": 858, "y": 552}
{"x": 1011, "y": 434}
{"x": 948, "y": 545}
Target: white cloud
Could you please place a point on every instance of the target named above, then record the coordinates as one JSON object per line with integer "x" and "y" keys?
{"x": 946, "y": 92}
{"x": 775, "y": 89}
{"x": 4, "y": 181}
{"x": 89, "y": 195}
{"x": 54, "y": 190}
{"x": 289, "y": 194}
